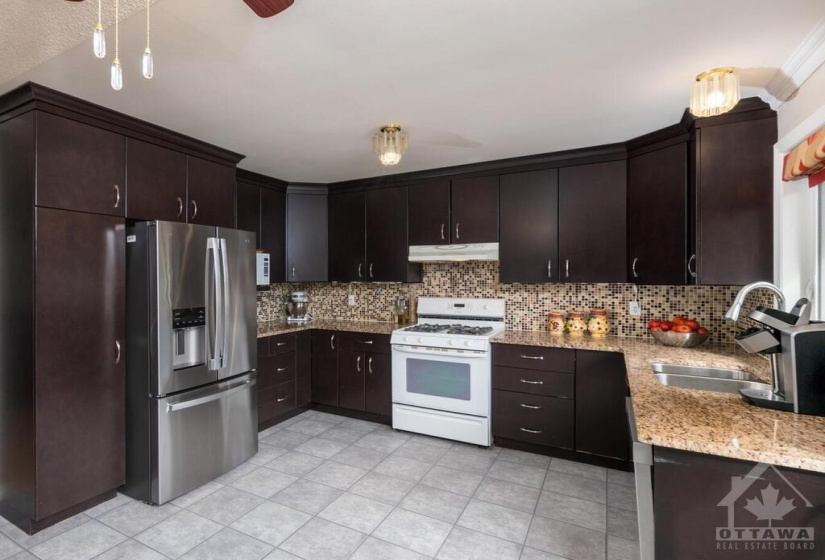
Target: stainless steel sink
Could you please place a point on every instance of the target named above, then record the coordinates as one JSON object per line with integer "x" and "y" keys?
{"x": 707, "y": 379}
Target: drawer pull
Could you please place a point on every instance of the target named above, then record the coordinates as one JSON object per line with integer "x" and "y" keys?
{"x": 530, "y": 406}
{"x": 280, "y": 343}
{"x": 283, "y": 399}
{"x": 365, "y": 341}
{"x": 531, "y": 382}
{"x": 532, "y": 357}
{"x": 530, "y": 431}
{"x": 280, "y": 369}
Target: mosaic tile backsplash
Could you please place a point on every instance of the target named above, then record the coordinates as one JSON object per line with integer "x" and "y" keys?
{"x": 528, "y": 305}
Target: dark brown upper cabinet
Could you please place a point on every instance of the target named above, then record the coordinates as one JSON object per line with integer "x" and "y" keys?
{"x": 261, "y": 207}
{"x": 210, "y": 192}
{"x": 156, "y": 180}
{"x": 592, "y": 222}
{"x": 347, "y": 237}
{"x": 474, "y": 210}
{"x": 732, "y": 197}
{"x": 429, "y": 212}
{"x": 248, "y": 209}
{"x": 657, "y": 214}
{"x": 306, "y": 238}
{"x": 80, "y": 167}
{"x": 529, "y": 249}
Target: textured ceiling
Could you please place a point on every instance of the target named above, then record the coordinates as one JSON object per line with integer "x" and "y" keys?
{"x": 33, "y": 31}
{"x": 471, "y": 80}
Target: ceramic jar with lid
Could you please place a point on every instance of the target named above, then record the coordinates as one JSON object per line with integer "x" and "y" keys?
{"x": 598, "y": 324}
{"x": 556, "y": 322}
{"x": 576, "y": 325}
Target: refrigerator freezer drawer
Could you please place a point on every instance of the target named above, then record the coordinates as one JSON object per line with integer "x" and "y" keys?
{"x": 202, "y": 434}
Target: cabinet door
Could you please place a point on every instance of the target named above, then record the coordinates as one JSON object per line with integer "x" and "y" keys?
{"x": 734, "y": 199}
{"x": 273, "y": 232}
{"x": 248, "y": 210}
{"x": 429, "y": 213}
{"x": 80, "y": 356}
{"x": 529, "y": 249}
{"x": 80, "y": 167}
{"x": 347, "y": 237}
{"x": 601, "y": 417}
{"x": 303, "y": 368}
{"x": 325, "y": 367}
{"x": 593, "y": 222}
{"x": 474, "y": 210}
{"x": 211, "y": 193}
{"x": 306, "y": 237}
{"x": 378, "y": 384}
{"x": 657, "y": 216}
{"x": 351, "y": 379}
{"x": 156, "y": 179}
{"x": 387, "y": 248}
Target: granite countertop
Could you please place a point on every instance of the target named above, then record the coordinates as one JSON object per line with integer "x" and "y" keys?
{"x": 271, "y": 328}
{"x": 701, "y": 421}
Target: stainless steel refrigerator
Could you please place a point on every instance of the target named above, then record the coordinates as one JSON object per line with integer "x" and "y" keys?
{"x": 191, "y": 407}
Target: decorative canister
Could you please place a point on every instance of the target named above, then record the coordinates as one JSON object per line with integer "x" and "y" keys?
{"x": 556, "y": 323}
{"x": 576, "y": 324}
{"x": 598, "y": 325}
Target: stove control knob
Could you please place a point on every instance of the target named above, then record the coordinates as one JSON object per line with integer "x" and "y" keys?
{"x": 468, "y": 343}
{"x": 454, "y": 342}
{"x": 408, "y": 339}
{"x": 421, "y": 340}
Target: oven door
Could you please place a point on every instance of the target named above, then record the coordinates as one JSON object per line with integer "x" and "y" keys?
{"x": 449, "y": 380}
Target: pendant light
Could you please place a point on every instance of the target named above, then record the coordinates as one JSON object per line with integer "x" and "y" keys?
{"x": 389, "y": 144}
{"x": 148, "y": 61}
{"x": 99, "y": 37}
{"x": 714, "y": 92}
{"x": 117, "y": 71}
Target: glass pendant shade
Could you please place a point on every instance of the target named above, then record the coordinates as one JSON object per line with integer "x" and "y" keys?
{"x": 389, "y": 144}
{"x": 148, "y": 64}
{"x": 117, "y": 75}
{"x": 714, "y": 92}
{"x": 99, "y": 41}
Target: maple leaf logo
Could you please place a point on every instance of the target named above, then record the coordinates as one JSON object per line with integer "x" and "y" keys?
{"x": 770, "y": 507}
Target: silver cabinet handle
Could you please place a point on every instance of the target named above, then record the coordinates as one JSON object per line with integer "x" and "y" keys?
{"x": 549, "y": 269}
{"x": 531, "y": 382}
{"x": 280, "y": 369}
{"x": 282, "y": 400}
{"x": 531, "y": 357}
{"x": 332, "y": 342}
{"x": 194, "y": 205}
{"x": 365, "y": 341}
{"x": 358, "y": 364}
{"x": 359, "y": 270}
{"x": 530, "y": 431}
{"x": 530, "y": 406}
{"x": 370, "y": 270}
{"x": 180, "y": 207}
{"x": 293, "y": 271}
{"x": 117, "y": 196}
{"x": 442, "y": 232}
{"x": 117, "y": 347}
{"x": 369, "y": 364}
{"x": 280, "y": 344}
{"x": 633, "y": 267}
{"x": 567, "y": 268}
{"x": 692, "y": 272}
{"x": 456, "y": 230}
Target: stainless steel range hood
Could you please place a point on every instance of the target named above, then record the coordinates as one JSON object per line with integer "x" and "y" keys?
{"x": 454, "y": 253}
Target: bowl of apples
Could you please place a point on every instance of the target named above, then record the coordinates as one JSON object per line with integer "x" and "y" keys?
{"x": 678, "y": 332}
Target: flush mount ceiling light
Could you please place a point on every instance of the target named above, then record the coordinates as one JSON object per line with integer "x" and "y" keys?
{"x": 714, "y": 92}
{"x": 389, "y": 144}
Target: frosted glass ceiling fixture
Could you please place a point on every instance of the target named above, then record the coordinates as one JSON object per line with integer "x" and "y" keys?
{"x": 148, "y": 61}
{"x": 99, "y": 45}
{"x": 389, "y": 144}
{"x": 99, "y": 38}
{"x": 714, "y": 92}
{"x": 117, "y": 70}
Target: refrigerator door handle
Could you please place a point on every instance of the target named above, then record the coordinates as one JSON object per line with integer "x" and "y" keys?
{"x": 210, "y": 398}
{"x": 226, "y": 301}
{"x": 215, "y": 314}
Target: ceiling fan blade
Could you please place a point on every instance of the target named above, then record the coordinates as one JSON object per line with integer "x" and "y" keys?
{"x": 268, "y": 8}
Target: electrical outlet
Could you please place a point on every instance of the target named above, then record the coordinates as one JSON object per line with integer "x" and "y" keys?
{"x": 635, "y": 309}
{"x": 351, "y": 300}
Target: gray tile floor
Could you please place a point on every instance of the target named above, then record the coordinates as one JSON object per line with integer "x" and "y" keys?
{"x": 325, "y": 487}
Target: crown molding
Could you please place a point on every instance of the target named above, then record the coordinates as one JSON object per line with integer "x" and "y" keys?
{"x": 804, "y": 61}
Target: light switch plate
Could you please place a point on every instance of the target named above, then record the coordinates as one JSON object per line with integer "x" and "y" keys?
{"x": 634, "y": 308}
{"x": 351, "y": 299}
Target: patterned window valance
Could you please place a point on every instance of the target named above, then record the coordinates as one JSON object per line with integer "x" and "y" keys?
{"x": 807, "y": 160}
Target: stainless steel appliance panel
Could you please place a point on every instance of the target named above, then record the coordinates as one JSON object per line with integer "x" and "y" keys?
{"x": 178, "y": 280}
{"x": 240, "y": 307}
{"x": 202, "y": 434}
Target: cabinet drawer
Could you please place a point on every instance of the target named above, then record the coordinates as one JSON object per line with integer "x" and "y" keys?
{"x": 365, "y": 342}
{"x": 276, "y": 369}
{"x": 275, "y": 400}
{"x": 281, "y": 343}
{"x": 534, "y": 382}
{"x": 552, "y": 425}
{"x": 534, "y": 357}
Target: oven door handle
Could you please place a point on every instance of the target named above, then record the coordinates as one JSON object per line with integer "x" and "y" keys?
{"x": 465, "y": 354}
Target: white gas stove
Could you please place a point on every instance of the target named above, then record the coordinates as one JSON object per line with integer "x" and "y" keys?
{"x": 441, "y": 369}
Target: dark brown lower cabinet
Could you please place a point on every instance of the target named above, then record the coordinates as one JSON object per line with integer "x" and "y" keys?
{"x": 325, "y": 367}
{"x": 533, "y": 418}
{"x": 351, "y": 371}
{"x": 283, "y": 375}
{"x": 601, "y": 417}
{"x": 303, "y": 368}
{"x": 378, "y": 384}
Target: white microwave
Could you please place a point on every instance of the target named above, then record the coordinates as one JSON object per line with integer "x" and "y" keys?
{"x": 262, "y": 274}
